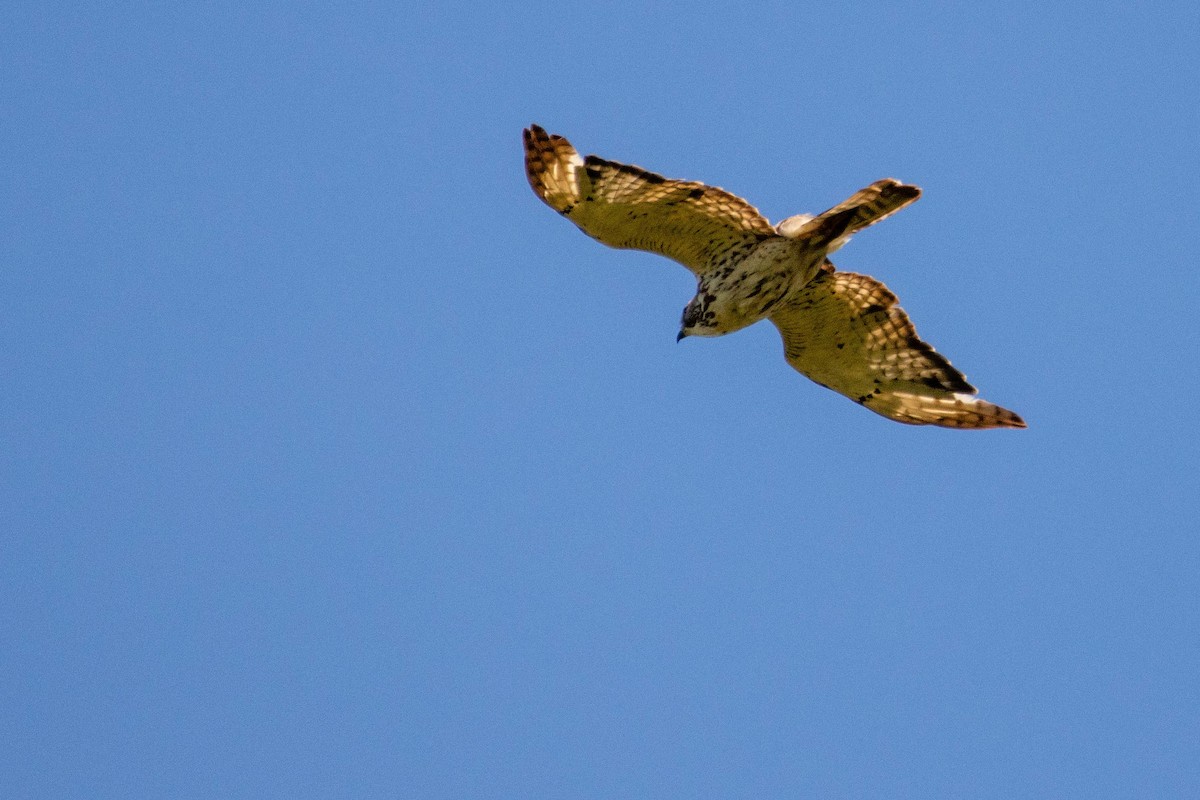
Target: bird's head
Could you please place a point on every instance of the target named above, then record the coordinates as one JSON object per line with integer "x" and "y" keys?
{"x": 697, "y": 320}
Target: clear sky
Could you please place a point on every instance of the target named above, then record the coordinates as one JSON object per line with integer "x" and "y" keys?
{"x": 337, "y": 465}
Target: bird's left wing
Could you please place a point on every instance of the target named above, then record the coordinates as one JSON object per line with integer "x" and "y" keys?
{"x": 628, "y": 207}
{"x": 846, "y": 332}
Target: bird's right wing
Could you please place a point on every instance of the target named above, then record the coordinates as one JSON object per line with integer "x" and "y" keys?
{"x": 846, "y": 332}
{"x": 628, "y": 207}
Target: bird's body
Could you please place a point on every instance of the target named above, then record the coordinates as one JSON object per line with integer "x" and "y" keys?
{"x": 842, "y": 330}
{"x": 737, "y": 292}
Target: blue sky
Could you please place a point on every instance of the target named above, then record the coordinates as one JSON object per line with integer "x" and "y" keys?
{"x": 337, "y": 465}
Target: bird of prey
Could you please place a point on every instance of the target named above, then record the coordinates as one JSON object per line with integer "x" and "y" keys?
{"x": 843, "y": 331}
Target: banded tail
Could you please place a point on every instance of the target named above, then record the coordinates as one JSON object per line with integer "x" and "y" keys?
{"x": 833, "y": 228}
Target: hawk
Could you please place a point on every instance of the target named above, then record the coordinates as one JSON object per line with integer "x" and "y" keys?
{"x": 842, "y": 330}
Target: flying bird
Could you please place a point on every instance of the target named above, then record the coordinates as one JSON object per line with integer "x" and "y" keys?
{"x": 842, "y": 330}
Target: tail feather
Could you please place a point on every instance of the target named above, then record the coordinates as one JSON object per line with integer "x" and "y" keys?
{"x": 833, "y": 228}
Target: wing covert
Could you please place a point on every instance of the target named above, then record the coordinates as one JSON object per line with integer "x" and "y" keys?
{"x": 628, "y": 207}
{"x": 845, "y": 332}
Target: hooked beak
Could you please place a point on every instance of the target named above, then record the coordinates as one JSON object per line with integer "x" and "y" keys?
{"x": 679, "y": 338}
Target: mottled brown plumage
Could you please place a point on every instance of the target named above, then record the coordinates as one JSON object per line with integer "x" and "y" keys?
{"x": 842, "y": 330}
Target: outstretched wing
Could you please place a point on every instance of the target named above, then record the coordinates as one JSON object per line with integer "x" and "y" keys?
{"x": 846, "y": 332}
{"x": 625, "y": 206}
